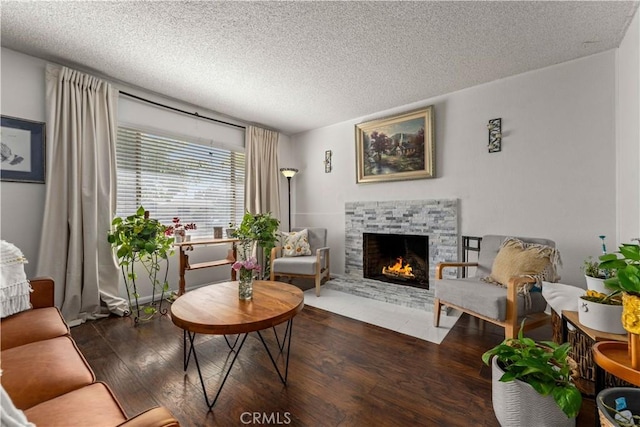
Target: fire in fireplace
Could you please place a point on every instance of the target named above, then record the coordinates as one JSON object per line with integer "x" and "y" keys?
{"x": 400, "y": 270}
{"x": 396, "y": 258}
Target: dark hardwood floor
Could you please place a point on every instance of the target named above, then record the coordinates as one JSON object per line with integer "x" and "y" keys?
{"x": 342, "y": 372}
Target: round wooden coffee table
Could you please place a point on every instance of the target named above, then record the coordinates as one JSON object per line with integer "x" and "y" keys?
{"x": 217, "y": 309}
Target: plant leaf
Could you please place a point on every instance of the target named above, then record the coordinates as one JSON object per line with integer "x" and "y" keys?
{"x": 568, "y": 399}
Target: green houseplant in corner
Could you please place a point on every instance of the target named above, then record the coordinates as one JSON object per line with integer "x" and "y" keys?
{"x": 143, "y": 241}
{"x": 533, "y": 383}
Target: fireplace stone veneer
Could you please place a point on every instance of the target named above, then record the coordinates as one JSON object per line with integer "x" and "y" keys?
{"x": 437, "y": 219}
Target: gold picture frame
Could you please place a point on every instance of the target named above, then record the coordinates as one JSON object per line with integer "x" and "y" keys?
{"x": 396, "y": 148}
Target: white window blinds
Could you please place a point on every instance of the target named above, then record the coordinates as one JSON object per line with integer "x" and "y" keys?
{"x": 170, "y": 177}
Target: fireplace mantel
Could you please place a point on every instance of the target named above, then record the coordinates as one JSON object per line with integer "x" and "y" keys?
{"x": 437, "y": 219}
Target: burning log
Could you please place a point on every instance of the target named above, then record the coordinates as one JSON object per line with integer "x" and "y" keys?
{"x": 399, "y": 271}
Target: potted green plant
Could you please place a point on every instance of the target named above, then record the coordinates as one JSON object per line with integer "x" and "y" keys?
{"x": 601, "y": 311}
{"x": 626, "y": 263}
{"x": 533, "y": 383}
{"x": 260, "y": 230}
{"x": 595, "y": 275}
{"x": 231, "y": 230}
{"x": 143, "y": 241}
{"x": 627, "y": 269}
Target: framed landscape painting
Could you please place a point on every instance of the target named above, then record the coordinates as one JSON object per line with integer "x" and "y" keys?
{"x": 396, "y": 148}
{"x": 22, "y": 150}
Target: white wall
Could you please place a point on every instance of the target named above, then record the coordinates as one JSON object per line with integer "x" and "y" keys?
{"x": 554, "y": 177}
{"x": 22, "y": 205}
{"x": 628, "y": 134}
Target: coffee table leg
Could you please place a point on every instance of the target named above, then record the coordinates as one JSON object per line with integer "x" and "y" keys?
{"x": 281, "y": 346}
{"x": 231, "y": 347}
{"x": 186, "y": 356}
{"x": 288, "y": 333}
{"x": 192, "y": 349}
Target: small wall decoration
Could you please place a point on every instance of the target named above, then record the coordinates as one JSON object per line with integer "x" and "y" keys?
{"x": 495, "y": 135}
{"x": 327, "y": 161}
{"x": 396, "y": 148}
{"x": 22, "y": 150}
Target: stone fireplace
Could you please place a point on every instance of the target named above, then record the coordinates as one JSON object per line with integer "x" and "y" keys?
{"x": 396, "y": 258}
{"x": 434, "y": 220}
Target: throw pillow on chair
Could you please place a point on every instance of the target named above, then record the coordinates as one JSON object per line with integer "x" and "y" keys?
{"x": 296, "y": 243}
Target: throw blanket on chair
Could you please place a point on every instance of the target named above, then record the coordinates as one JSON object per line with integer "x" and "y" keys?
{"x": 14, "y": 286}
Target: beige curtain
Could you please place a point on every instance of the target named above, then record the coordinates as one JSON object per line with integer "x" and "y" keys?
{"x": 80, "y": 194}
{"x": 262, "y": 191}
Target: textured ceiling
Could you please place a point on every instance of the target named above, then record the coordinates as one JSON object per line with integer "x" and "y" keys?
{"x": 294, "y": 66}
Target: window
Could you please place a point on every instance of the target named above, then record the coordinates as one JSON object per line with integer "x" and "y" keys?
{"x": 170, "y": 177}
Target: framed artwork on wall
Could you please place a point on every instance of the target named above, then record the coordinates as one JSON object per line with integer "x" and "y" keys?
{"x": 396, "y": 148}
{"x": 22, "y": 150}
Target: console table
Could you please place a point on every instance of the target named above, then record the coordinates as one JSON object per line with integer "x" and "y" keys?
{"x": 184, "y": 247}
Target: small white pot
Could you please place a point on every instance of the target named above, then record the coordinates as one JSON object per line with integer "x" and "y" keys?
{"x": 597, "y": 284}
{"x": 600, "y": 317}
{"x": 517, "y": 404}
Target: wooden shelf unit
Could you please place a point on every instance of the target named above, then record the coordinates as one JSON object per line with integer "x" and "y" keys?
{"x": 184, "y": 247}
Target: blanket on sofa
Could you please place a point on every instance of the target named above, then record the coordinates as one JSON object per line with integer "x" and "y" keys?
{"x": 14, "y": 286}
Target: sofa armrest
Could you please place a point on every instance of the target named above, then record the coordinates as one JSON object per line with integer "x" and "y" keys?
{"x": 43, "y": 294}
{"x": 154, "y": 417}
{"x": 442, "y": 265}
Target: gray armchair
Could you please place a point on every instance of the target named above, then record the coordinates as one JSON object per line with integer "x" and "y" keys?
{"x": 315, "y": 266}
{"x": 503, "y": 306}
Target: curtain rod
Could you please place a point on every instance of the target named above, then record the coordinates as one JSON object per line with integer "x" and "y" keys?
{"x": 180, "y": 111}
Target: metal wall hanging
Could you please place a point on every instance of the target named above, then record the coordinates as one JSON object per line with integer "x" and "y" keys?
{"x": 327, "y": 161}
{"x": 495, "y": 135}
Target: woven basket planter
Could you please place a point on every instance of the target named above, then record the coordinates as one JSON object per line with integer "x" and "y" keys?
{"x": 608, "y": 396}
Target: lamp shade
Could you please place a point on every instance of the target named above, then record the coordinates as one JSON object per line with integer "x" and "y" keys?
{"x": 288, "y": 172}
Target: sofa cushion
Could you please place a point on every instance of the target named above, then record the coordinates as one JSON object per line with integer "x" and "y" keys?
{"x": 31, "y": 326}
{"x": 296, "y": 243}
{"x": 93, "y": 405}
{"x": 295, "y": 265}
{"x": 39, "y": 371}
{"x": 487, "y": 299}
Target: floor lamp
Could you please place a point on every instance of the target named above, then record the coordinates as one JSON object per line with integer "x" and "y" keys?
{"x": 289, "y": 173}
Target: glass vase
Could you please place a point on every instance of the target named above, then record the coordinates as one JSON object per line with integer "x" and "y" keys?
{"x": 245, "y": 284}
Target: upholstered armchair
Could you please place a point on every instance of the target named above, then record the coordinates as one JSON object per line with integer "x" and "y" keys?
{"x": 286, "y": 261}
{"x": 501, "y": 291}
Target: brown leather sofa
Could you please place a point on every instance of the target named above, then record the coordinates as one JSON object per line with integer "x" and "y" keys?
{"x": 48, "y": 378}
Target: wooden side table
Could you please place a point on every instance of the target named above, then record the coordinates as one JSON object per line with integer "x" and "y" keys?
{"x": 613, "y": 357}
{"x": 184, "y": 247}
{"x": 582, "y": 340}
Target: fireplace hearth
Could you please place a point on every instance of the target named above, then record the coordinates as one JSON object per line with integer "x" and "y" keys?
{"x": 396, "y": 258}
